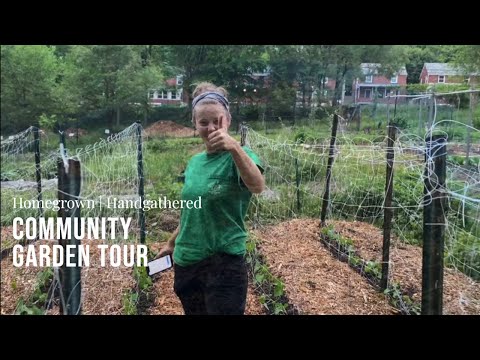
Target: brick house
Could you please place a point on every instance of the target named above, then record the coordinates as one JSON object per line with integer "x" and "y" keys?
{"x": 170, "y": 94}
{"x": 373, "y": 86}
{"x": 444, "y": 73}
{"x": 255, "y": 87}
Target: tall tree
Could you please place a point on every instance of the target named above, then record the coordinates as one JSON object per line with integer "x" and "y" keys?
{"x": 227, "y": 65}
{"x": 418, "y": 55}
{"x": 29, "y": 77}
{"x": 109, "y": 78}
{"x": 286, "y": 63}
{"x": 468, "y": 57}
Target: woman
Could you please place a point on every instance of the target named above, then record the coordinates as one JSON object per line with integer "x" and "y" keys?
{"x": 209, "y": 244}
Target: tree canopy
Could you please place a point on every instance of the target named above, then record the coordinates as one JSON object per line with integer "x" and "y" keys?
{"x": 111, "y": 81}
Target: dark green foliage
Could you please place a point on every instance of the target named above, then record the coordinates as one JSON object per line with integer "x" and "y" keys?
{"x": 305, "y": 136}
{"x": 464, "y": 246}
{"x": 36, "y": 303}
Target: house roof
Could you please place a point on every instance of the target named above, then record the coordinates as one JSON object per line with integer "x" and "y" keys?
{"x": 171, "y": 82}
{"x": 265, "y": 72}
{"x": 372, "y": 69}
{"x": 442, "y": 69}
{"x": 359, "y": 85}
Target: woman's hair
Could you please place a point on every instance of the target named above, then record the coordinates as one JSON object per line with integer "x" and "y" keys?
{"x": 207, "y": 87}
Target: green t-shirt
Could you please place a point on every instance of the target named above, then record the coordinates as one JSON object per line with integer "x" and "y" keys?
{"x": 219, "y": 225}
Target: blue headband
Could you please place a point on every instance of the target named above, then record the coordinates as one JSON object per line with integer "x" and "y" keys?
{"x": 211, "y": 95}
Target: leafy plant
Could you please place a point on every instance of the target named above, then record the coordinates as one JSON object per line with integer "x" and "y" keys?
{"x": 374, "y": 269}
{"x": 28, "y": 309}
{"x": 129, "y": 302}
{"x": 35, "y": 304}
{"x": 272, "y": 295}
{"x": 144, "y": 281}
{"x": 47, "y": 122}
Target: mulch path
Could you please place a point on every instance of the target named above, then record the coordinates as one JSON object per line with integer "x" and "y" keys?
{"x": 461, "y": 293}
{"x": 316, "y": 282}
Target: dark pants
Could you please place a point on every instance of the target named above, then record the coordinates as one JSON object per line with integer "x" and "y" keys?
{"x": 214, "y": 286}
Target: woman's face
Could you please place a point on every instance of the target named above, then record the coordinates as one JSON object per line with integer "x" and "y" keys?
{"x": 208, "y": 119}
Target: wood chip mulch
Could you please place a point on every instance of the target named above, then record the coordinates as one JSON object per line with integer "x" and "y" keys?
{"x": 7, "y": 240}
{"x": 16, "y": 283}
{"x": 461, "y": 293}
{"x": 316, "y": 282}
{"x": 102, "y": 287}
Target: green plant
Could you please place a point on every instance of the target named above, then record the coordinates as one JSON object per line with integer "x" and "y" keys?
{"x": 47, "y": 122}
{"x": 400, "y": 300}
{"x": 27, "y": 309}
{"x": 463, "y": 253}
{"x": 144, "y": 281}
{"x": 305, "y": 136}
{"x": 476, "y": 117}
{"x": 35, "y": 304}
{"x": 374, "y": 269}
{"x": 129, "y": 302}
{"x": 401, "y": 121}
{"x": 272, "y": 295}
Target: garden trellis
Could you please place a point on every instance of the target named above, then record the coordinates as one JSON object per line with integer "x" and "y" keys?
{"x": 296, "y": 172}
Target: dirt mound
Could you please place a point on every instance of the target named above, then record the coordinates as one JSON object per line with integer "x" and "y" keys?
{"x": 461, "y": 149}
{"x": 81, "y": 132}
{"x": 461, "y": 294}
{"x": 317, "y": 283}
{"x": 168, "y": 128}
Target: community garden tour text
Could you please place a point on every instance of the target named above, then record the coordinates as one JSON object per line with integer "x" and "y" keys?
{"x": 74, "y": 255}
{"x": 83, "y": 228}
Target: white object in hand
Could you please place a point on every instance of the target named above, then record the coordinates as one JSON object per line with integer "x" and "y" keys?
{"x": 160, "y": 264}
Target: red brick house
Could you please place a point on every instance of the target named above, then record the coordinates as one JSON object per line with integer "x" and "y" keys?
{"x": 444, "y": 73}
{"x": 170, "y": 94}
{"x": 373, "y": 86}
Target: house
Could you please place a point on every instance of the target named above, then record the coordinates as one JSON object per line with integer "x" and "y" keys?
{"x": 375, "y": 87}
{"x": 252, "y": 91}
{"x": 171, "y": 93}
{"x": 444, "y": 73}
{"x": 315, "y": 95}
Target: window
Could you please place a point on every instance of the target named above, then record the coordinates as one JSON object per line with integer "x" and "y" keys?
{"x": 151, "y": 94}
{"x": 164, "y": 95}
{"x": 441, "y": 78}
{"x": 179, "y": 80}
{"x": 367, "y": 93}
{"x": 369, "y": 79}
{"x": 174, "y": 95}
{"x": 394, "y": 79}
